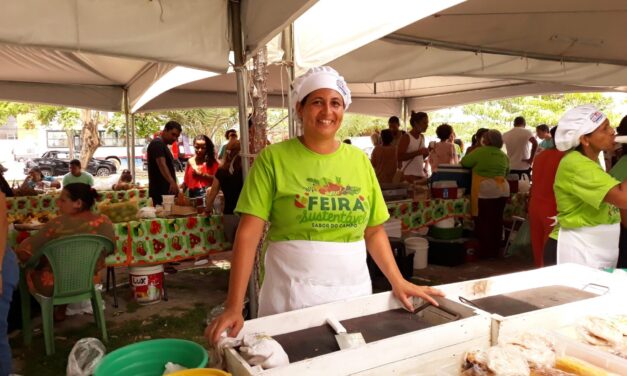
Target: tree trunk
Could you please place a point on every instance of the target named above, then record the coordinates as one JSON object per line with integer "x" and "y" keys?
{"x": 257, "y": 134}
{"x": 259, "y": 92}
{"x": 70, "y": 142}
{"x": 90, "y": 138}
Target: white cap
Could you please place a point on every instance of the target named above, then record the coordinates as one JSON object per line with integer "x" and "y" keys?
{"x": 575, "y": 123}
{"x": 320, "y": 78}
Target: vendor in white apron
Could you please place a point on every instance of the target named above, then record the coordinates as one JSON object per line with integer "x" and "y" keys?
{"x": 411, "y": 148}
{"x": 325, "y": 207}
{"x": 588, "y": 199}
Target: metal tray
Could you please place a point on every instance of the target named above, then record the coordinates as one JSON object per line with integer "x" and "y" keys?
{"x": 319, "y": 340}
{"x": 523, "y": 301}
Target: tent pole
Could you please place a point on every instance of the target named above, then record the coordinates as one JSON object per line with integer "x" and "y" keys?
{"x": 131, "y": 164}
{"x": 242, "y": 95}
{"x": 288, "y": 47}
{"x": 127, "y": 132}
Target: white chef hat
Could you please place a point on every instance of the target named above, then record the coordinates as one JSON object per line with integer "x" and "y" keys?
{"x": 575, "y": 123}
{"x": 320, "y": 78}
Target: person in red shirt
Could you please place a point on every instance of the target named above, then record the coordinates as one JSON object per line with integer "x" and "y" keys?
{"x": 542, "y": 205}
{"x": 201, "y": 169}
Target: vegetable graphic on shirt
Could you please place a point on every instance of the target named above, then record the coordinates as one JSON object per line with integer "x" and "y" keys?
{"x": 330, "y": 187}
{"x": 300, "y": 202}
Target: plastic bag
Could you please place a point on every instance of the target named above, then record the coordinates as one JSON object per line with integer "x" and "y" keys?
{"x": 117, "y": 212}
{"x": 85, "y": 356}
{"x": 521, "y": 245}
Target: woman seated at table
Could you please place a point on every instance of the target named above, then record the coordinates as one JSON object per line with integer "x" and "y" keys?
{"x": 489, "y": 191}
{"x": 37, "y": 181}
{"x": 125, "y": 182}
{"x": 75, "y": 218}
{"x": 200, "y": 169}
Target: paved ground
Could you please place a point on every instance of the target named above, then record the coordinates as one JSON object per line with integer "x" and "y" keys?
{"x": 193, "y": 292}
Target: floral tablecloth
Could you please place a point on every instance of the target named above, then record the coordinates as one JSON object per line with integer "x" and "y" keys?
{"x": 157, "y": 241}
{"x": 23, "y": 209}
{"x": 414, "y": 215}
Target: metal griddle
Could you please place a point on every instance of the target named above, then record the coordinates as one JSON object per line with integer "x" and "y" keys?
{"x": 319, "y": 340}
{"x": 517, "y": 302}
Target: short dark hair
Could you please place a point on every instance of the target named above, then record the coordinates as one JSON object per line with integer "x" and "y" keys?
{"x": 386, "y": 137}
{"x": 83, "y": 192}
{"x": 542, "y": 127}
{"x": 444, "y": 131}
{"x": 494, "y": 138}
{"x": 227, "y": 134}
{"x": 519, "y": 120}
{"x": 172, "y": 125}
{"x": 394, "y": 120}
{"x": 552, "y": 131}
{"x": 75, "y": 162}
{"x": 416, "y": 117}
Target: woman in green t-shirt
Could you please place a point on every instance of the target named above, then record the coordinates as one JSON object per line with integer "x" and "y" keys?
{"x": 588, "y": 199}
{"x": 325, "y": 207}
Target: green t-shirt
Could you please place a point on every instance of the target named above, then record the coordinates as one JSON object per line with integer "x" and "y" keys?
{"x": 310, "y": 196}
{"x": 580, "y": 187}
{"x": 85, "y": 178}
{"x": 487, "y": 161}
{"x": 619, "y": 171}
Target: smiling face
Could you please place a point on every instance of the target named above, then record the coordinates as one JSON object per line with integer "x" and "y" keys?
{"x": 321, "y": 114}
{"x": 602, "y": 139}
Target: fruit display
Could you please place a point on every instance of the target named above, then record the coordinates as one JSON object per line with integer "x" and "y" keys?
{"x": 119, "y": 212}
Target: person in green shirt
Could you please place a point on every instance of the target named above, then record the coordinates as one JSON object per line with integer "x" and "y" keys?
{"x": 76, "y": 175}
{"x": 325, "y": 209}
{"x": 489, "y": 191}
{"x": 619, "y": 172}
{"x": 588, "y": 199}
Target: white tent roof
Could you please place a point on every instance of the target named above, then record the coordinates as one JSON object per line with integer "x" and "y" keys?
{"x": 502, "y": 47}
{"x": 84, "y": 53}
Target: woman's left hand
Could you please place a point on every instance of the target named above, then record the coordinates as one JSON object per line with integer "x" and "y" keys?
{"x": 404, "y": 290}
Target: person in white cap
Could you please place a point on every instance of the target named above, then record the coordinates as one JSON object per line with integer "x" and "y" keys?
{"x": 325, "y": 207}
{"x": 588, "y": 199}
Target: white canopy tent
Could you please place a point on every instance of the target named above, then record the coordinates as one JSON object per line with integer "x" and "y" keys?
{"x": 484, "y": 49}
{"x": 87, "y": 53}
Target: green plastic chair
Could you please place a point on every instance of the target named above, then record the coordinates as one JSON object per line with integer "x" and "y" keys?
{"x": 73, "y": 261}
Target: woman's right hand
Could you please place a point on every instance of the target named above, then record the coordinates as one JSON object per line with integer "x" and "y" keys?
{"x": 231, "y": 321}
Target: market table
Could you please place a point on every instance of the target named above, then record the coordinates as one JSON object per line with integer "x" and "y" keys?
{"x": 414, "y": 215}
{"x": 23, "y": 209}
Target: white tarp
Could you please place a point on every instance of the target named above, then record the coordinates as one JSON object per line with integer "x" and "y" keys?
{"x": 332, "y": 28}
{"x": 85, "y": 53}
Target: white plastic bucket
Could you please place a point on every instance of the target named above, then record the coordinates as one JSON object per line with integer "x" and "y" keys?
{"x": 420, "y": 247}
{"x": 146, "y": 283}
{"x": 446, "y": 223}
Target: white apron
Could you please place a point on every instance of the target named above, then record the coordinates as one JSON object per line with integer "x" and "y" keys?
{"x": 303, "y": 273}
{"x": 596, "y": 247}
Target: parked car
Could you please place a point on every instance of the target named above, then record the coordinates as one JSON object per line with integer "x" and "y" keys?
{"x": 23, "y": 154}
{"x": 57, "y": 163}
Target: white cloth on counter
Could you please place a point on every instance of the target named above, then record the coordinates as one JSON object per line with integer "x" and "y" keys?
{"x": 305, "y": 273}
{"x": 258, "y": 349}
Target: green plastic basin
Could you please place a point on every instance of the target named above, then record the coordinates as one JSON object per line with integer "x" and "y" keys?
{"x": 148, "y": 358}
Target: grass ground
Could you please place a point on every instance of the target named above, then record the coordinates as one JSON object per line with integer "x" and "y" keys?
{"x": 183, "y": 316}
